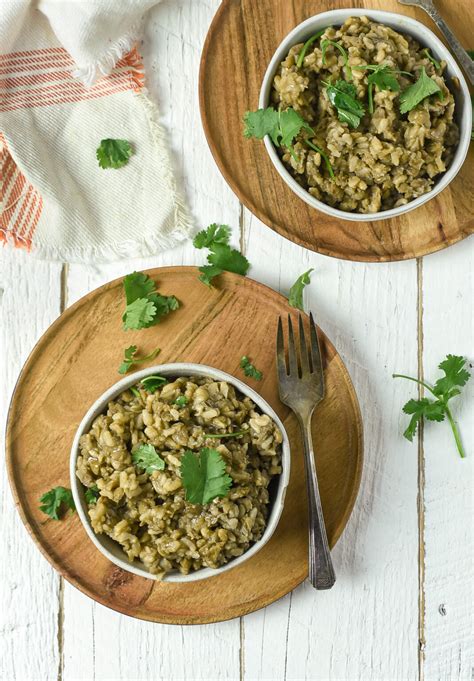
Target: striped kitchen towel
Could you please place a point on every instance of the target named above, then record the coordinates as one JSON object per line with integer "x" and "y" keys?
{"x": 70, "y": 77}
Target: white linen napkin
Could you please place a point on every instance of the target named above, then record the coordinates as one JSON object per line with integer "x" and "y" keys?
{"x": 70, "y": 77}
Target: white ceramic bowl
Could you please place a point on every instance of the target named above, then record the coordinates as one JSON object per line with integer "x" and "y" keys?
{"x": 111, "y": 549}
{"x": 426, "y": 38}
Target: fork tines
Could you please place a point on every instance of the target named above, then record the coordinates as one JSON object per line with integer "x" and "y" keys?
{"x": 307, "y": 359}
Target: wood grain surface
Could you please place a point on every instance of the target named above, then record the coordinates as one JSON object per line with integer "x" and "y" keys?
{"x": 77, "y": 359}
{"x": 240, "y": 43}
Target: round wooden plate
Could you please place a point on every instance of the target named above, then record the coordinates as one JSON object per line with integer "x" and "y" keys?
{"x": 77, "y": 359}
{"x": 242, "y": 38}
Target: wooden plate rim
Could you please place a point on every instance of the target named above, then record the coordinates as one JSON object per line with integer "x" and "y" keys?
{"x": 246, "y": 607}
{"x": 281, "y": 229}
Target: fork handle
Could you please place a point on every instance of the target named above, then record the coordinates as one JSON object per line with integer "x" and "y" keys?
{"x": 321, "y": 570}
{"x": 464, "y": 59}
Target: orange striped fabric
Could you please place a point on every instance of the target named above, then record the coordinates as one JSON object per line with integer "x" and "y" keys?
{"x": 41, "y": 78}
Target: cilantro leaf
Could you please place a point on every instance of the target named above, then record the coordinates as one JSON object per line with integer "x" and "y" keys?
{"x": 383, "y": 78}
{"x": 145, "y": 306}
{"x": 222, "y": 257}
{"x": 414, "y": 94}
{"x": 249, "y": 369}
{"x": 113, "y": 153}
{"x": 56, "y": 500}
{"x": 307, "y": 45}
{"x": 262, "y": 122}
{"x": 295, "y": 297}
{"x": 91, "y": 494}
{"x": 445, "y": 388}
{"x": 435, "y": 63}
{"x": 181, "y": 401}
{"x": 139, "y": 314}
{"x": 291, "y": 124}
{"x": 130, "y": 358}
{"x": 137, "y": 285}
{"x": 214, "y": 234}
{"x": 343, "y": 96}
{"x": 204, "y": 477}
{"x": 146, "y": 457}
{"x": 418, "y": 408}
{"x": 152, "y": 383}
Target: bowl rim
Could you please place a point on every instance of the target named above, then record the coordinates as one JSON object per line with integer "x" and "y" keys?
{"x": 178, "y": 369}
{"x": 419, "y": 31}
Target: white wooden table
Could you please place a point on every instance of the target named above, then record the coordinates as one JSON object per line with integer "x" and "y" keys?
{"x": 402, "y": 605}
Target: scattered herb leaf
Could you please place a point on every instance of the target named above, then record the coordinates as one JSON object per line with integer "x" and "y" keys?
{"x": 130, "y": 358}
{"x": 152, "y": 383}
{"x": 204, "y": 477}
{"x": 222, "y": 257}
{"x": 113, "y": 153}
{"x": 134, "y": 391}
{"x": 145, "y": 306}
{"x": 434, "y": 61}
{"x": 307, "y": 45}
{"x": 324, "y": 46}
{"x": 384, "y": 79}
{"x": 57, "y": 500}
{"x": 283, "y": 127}
{"x": 295, "y": 296}
{"x": 343, "y": 96}
{"x": 249, "y": 369}
{"x": 445, "y": 388}
{"x": 181, "y": 401}
{"x": 146, "y": 457}
{"x": 91, "y": 494}
{"x": 414, "y": 94}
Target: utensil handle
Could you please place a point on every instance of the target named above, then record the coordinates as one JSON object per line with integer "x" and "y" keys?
{"x": 464, "y": 59}
{"x": 321, "y": 570}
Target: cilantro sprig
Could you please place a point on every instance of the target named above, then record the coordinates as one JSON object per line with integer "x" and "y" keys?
{"x": 414, "y": 94}
{"x": 249, "y": 369}
{"x": 343, "y": 96}
{"x": 324, "y": 46}
{"x": 130, "y": 358}
{"x": 147, "y": 458}
{"x": 282, "y": 127}
{"x": 145, "y": 306}
{"x": 92, "y": 494}
{"x": 445, "y": 388}
{"x": 204, "y": 476}
{"x": 55, "y": 502}
{"x": 295, "y": 296}
{"x": 113, "y": 153}
{"x": 307, "y": 45}
{"x": 222, "y": 257}
{"x": 434, "y": 61}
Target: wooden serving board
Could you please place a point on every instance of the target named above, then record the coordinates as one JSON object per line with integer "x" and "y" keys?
{"x": 77, "y": 359}
{"x": 242, "y": 38}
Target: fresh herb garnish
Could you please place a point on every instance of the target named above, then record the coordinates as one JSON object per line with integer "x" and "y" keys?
{"x": 92, "y": 494}
{"x": 324, "y": 46}
{"x": 204, "y": 477}
{"x": 152, "y": 383}
{"x": 343, "y": 96}
{"x": 307, "y": 45}
{"x": 445, "y": 388}
{"x": 249, "y": 369}
{"x": 57, "y": 499}
{"x": 134, "y": 391}
{"x": 384, "y": 79}
{"x": 435, "y": 63}
{"x": 145, "y": 306}
{"x": 181, "y": 401}
{"x": 113, "y": 153}
{"x": 237, "y": 433}
{"x": 222, "y": 257}
{"x": 282, "y": 127}
{"x": 130, "y": 358}
{"x": 414, "y": 94}
{"x": 295, "y": 296}
{"x": 146, "y": 457}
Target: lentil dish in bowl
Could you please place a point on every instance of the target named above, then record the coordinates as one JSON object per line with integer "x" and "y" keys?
{"x": 382, "y": 113}
{"x": 180, "y": 478}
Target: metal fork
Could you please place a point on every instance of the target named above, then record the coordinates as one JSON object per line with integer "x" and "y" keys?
{"x": 463, "y": 57}
{"x": 301, "y": 389}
